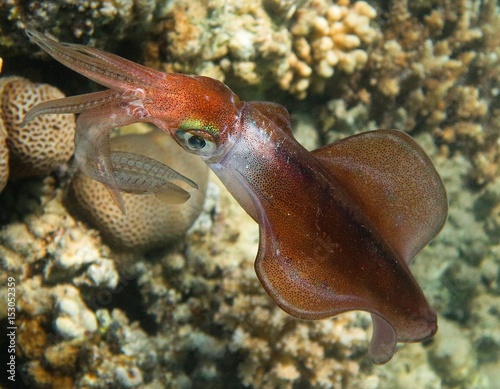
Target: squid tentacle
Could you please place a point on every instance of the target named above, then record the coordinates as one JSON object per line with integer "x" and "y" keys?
{"x": 149, "y": 167}
{"x": 135, "y": 173}
{"x": 146, "y": 75}
{"x": 73, "y": 104}
{"x": 101, "y": 68}
{"x": 92, "y": 145}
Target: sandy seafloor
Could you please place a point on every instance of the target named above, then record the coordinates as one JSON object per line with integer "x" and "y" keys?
{"x": 93, "y": 314}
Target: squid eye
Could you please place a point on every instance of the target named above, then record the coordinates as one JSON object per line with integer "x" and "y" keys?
{"x": 196, "y": 143}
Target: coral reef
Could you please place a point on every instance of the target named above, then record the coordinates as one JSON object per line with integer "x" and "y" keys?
{"x": 149, "y": 222}
{"x": 419, "y": 68}
{"x": 222, "y": 40}
{"x": 328, "y": 37}
{"x": 180, "y": 290}
{"x": 435, "y": 70}
{"x": 214, "y": 323}
{"x": 99, "y": 22}
{"x": 40, "y": 146}
{"x": 249, "y": 43}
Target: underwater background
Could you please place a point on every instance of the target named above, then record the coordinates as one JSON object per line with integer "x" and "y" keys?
{"x": 158, "y": 299}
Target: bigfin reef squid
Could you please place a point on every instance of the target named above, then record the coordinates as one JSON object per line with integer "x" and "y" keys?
{"x": 338, "y": 225}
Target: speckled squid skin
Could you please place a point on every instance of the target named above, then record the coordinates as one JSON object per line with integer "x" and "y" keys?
{"x": 338, "y": 225}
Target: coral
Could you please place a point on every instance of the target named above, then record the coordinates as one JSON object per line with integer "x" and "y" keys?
{"x": 49, "y": 253}
{"x": 452, "y": 355}
{"x": 99, "y": 22}
{"x": 328, "y": 37}
{"x": 103, "y": 365}
{"x": 73, "y": 320}
{"x": 207, "y": 305}
{"x": 462, "y": 284}
{"x": 149, "y": 222}
{"x": 67, "y": 250}
{"x": 51, "y": 348}
{"x": 42, "y": 145}
{"x": 221, "y": 39}
{"x": 437, "y": 72}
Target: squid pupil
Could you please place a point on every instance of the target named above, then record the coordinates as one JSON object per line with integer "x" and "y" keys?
{"x": 196, "y": 142}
